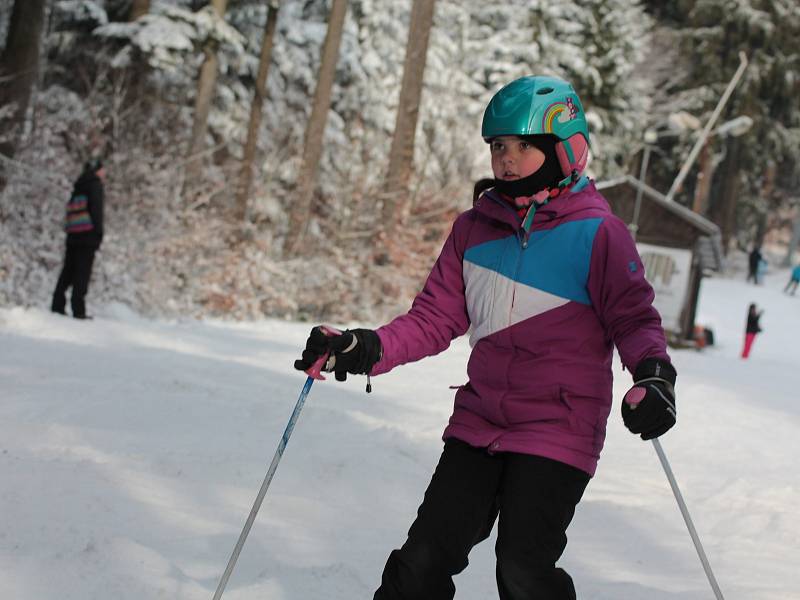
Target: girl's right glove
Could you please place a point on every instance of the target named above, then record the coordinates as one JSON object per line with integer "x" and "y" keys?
{"x": 649, "y": 406}
{"x": 354, "y": 351}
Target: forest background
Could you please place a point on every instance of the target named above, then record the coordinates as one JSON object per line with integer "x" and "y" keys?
{"x": 258, "y": 164}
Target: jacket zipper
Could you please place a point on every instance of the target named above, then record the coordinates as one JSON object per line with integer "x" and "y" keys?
{"x": 523, "y": 232}
{"x": 516, "y": 276}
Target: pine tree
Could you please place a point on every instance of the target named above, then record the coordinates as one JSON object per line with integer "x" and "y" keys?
{"x": 746, "y": 187}
{"x": 246, "y": 173}
{"x": 596, "y": 45}
{"x": 206, "y": 85}
{"x": 401, "y": 155}
{"x": 299, "y": 212}
{"x": 138, "y": 9}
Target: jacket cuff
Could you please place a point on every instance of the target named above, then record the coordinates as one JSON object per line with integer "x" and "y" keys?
{"x": 655, "y": 367}
{"x": 381, "y": 366}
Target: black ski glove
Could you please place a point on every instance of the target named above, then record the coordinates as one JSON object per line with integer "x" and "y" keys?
{"x": 354, "y": 351}
{"x": 649, "y": 406}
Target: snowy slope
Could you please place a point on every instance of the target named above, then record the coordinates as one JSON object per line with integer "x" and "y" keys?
{"x": 131, "y": 452}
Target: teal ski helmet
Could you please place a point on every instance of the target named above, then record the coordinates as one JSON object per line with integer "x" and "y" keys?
{"x": 539, "y": 105}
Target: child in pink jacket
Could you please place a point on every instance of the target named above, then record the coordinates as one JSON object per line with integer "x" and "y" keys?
{"x": 547, "y": 281}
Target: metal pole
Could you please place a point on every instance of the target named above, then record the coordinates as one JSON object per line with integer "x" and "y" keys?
{"x": 687, "y": 518}
{"x": 634, "y": 226}
{"x": 263, "y": 491}
{"x": 707, "y": 129}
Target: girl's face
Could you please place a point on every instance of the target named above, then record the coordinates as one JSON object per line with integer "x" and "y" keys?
{"x": 514, "y": 158}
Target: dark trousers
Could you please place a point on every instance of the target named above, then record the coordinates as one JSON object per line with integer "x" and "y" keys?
{"x": 76, "y": 273}
{"x": 535, "y": 498}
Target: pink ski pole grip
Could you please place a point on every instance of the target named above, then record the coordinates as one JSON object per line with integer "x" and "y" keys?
{"x": 315, "y": 370}
{"x": 634, "y": 396}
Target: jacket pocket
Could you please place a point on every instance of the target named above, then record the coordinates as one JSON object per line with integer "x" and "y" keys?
{"x": 587, "y": 415}
{"x": 539, "y": 406}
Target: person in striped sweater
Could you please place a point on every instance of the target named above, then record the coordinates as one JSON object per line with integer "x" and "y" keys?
{"x": 84, "y": 228}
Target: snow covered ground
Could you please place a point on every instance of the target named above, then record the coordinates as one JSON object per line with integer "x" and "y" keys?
{"x": 131, "y": 452}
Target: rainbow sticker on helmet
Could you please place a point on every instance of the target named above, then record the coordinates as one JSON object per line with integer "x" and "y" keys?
{"x": 563, "y": 111}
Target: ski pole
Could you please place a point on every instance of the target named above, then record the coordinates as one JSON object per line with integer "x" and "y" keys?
{"x": 633, "y": 397}
{"x": 688, "y": 519}
{"x": 314, "y": 372}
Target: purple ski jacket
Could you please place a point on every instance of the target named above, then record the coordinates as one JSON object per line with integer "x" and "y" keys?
{"x": 544, "y": 308}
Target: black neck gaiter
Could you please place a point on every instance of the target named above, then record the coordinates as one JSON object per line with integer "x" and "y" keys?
{"x": 547, "y": 176}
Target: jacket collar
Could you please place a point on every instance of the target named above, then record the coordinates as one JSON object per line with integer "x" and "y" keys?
{"x": 494, "y": 206}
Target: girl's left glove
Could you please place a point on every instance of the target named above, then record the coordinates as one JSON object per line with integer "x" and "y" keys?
{"x": 649, "y": 406}
{"x": 354, "y": 351}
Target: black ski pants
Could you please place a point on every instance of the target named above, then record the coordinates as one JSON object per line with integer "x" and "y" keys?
{"x": 535, "y": 498}
{"x": 76, "y": 273}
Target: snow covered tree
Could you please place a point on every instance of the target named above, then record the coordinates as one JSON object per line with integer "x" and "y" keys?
{"x": 256, "y": 110}
{"x": 401, "y": 155}
{"x": 138, "y": 8}
{"x": 134, "y": 92}
{"x": 19, "y": 68}
{"x": 596, "y": 47}
{"x": 156, "y": 59}
{"x": 206, "y": 84}
{"x": 450, "y": 147}
{"x": 594, "y": 44}
{"x": 300, "y": 208}
{"x": 743, "y": 191}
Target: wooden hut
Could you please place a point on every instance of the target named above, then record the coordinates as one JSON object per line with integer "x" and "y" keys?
{"x": 677, "y": 245}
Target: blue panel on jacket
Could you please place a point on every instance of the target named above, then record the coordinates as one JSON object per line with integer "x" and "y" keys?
{"x": 556, "y": 260}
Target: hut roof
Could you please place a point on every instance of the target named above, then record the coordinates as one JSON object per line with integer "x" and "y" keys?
{"x": 664, "y": 222}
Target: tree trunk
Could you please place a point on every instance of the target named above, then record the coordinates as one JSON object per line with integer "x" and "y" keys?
{"x": 139, "y": 8}
{"x": 19, "y": 68}
{"x": 767, "y": 188}
{"x": 724, "y": 209}
{"x": 246, "y": 174}
{"x": 206, "y": 84}
{"x": 794, "y": 242}
{"x": 312, "y": 150}
{"x": 401, "y": 155}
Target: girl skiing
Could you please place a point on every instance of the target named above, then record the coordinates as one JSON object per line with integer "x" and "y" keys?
{"x": 752, "y": 329}
{"x": 548, "y": 281}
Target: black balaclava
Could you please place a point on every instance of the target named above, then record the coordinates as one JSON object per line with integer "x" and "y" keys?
{"x": 547, "y": 176}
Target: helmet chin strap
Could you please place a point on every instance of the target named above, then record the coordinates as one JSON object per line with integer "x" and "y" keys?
{"x": 538, "y": 187}
{"x": 541, "y": 198}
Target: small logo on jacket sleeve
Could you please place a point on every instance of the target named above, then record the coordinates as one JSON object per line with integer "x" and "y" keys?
{"x": 632, "y": 266}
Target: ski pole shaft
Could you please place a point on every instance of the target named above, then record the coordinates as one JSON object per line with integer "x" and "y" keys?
{"x": 687, "y": 518}
{"x": 264, "y": 486}
{"x": 313, "y": 372}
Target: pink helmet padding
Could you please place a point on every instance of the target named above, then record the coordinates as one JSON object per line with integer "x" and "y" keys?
{"x": 580, "y": 152}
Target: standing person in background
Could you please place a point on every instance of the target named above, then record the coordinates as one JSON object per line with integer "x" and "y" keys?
{"x": 548, "y": 280}
{"x": 753, "y": 328}
{"x": 84, "y": 227}
{"x": 793, "y": 281}
{"x": 754, "y": 260}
